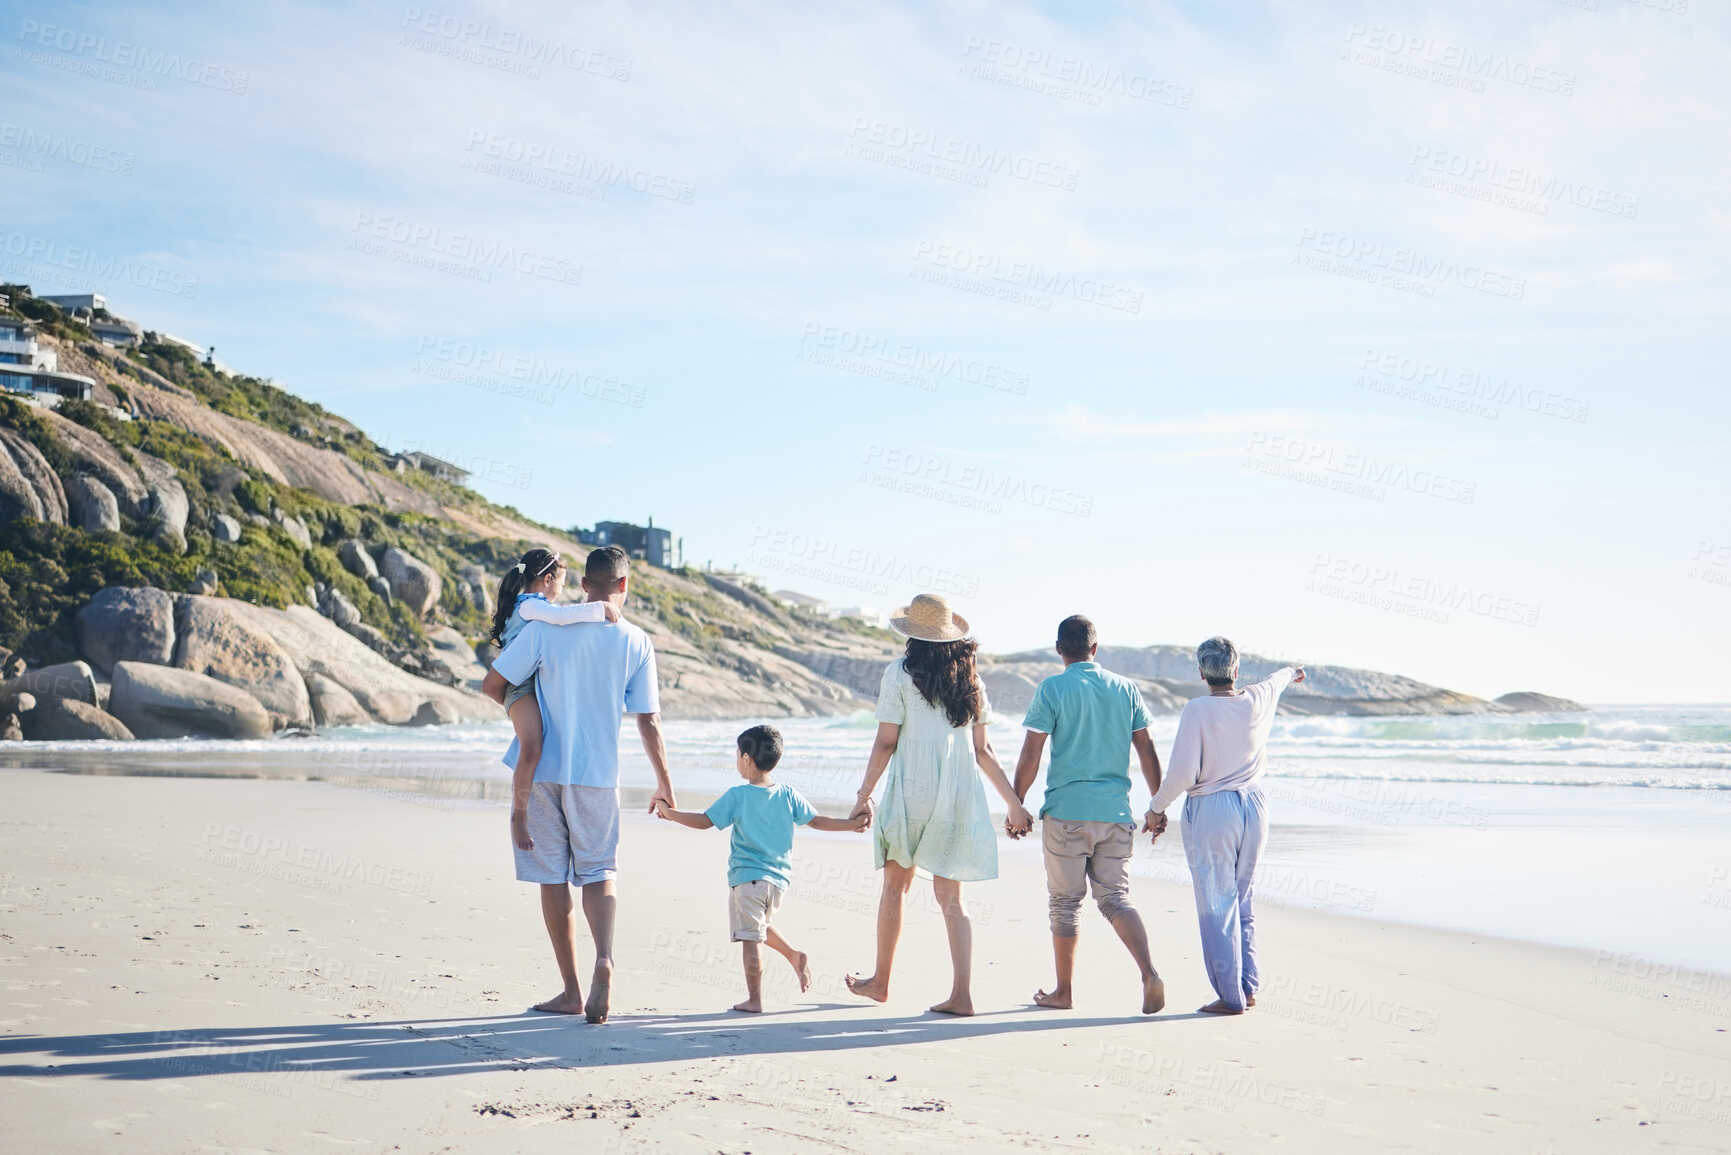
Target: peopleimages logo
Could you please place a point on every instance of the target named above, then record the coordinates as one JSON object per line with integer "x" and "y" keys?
{"x": 579, "y": 166}
{"x": 1325, "y": 460}
{"x": 1518, "y": 181}
{"x": 923, "y": 144}
{"x": 1412, "y": 263}
{"x": 460, "y": 34}
{"x": 55, "y": 146}
{"x": 466, "y": 247}
{"x": 1069, "y": 76}
{"x": 1470, "y": 384}
{"x": 43, "y": 255}
{"x": 1034, "y": 278}
{"x": 124, "y": 54}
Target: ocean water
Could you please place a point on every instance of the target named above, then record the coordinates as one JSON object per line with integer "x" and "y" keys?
{"x": 1608, "y": 831}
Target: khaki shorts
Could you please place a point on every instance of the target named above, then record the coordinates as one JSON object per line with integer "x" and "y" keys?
{"x": 750, "y": 906}
{"x": 1080, "y": 854}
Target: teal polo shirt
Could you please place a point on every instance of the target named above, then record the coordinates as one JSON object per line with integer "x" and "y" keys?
{"x": 1090, "y": 713}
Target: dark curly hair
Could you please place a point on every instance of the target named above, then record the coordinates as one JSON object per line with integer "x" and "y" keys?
{"x": 945, "y": 676}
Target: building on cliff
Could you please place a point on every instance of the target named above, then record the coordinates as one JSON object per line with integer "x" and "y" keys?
{"x": 658, "y": 547}
{"x": 28, "y": 369}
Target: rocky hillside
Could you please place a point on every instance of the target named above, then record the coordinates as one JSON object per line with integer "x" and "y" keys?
{"x": 219, "y": 527}
{"x": 199, "y": 552}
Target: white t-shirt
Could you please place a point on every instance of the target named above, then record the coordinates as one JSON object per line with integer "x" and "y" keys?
{"x": 588, "y": 677}
{"x": 1222, "y": 741}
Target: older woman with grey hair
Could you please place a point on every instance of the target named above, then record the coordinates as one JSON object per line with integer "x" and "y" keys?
{"x": 1217, "y": 760}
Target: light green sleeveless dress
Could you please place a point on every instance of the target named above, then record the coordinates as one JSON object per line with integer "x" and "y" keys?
{"x": 934, "y": 814}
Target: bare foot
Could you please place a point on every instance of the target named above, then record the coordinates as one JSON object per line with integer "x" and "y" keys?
{"x": 750, "y": 1006}
{"x": 1153, "y": 995}
{"x": 802, "y": 968}
{"x": 955, "y": 1005}
{"x": 868, "y": 988}
{"x": 1249, "y": 1000}
{"x": 595, "y": 1010}
{"x": 569, "y": 1003}
{"x": 1058, "y": 1000}
{"x": 1219, "y": 1008}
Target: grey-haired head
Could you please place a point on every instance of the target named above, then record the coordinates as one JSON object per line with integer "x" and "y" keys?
{"x": 1217, "y": 661}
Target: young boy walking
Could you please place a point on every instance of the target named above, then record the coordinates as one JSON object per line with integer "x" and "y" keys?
{"x": 762, "y": 814}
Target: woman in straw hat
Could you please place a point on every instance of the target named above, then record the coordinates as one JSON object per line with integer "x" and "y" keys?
{"x": 933, "y": 818}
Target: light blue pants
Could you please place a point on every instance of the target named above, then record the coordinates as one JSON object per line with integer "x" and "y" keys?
{"x": 1224, "y": 835}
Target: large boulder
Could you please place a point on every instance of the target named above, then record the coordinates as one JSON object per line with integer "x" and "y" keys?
{"x": 481, "y": 585}
{"x": 28, "y": 487}
{"x": 225, "y": 528}
{"x": 333, "y": 705}
{"x": 162, "y": 702}
{"x": 413, "y": 581}
{"x": 72, "y": 681}
{"x": 295, "y": 528}
{"x": 214, "y": 639}
{"x": 69, "y": 720}
{"x": 357, "y": 560}
{"x": 456, "y": 654}
{"x": 167, "y": 506}
{"x": 93, "y": 505}
{"x": 126, "y": 625}
{"x": 339, "y": 609}
{"x": 92, "y": 453}
{"x": 388, "y": 694}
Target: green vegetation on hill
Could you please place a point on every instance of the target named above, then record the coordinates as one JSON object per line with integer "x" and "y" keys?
{"x": 49, "y": 572}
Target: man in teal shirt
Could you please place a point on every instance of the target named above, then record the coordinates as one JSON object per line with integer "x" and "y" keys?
{"x": 1094, "y": 719}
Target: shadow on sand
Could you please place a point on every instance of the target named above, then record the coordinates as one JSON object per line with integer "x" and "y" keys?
{"x": 459, "y": 1046}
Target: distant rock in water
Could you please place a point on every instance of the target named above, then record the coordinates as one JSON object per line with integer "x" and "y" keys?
{"x": 1532, "y": 702}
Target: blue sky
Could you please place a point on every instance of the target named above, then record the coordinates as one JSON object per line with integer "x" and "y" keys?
{"x": 1392, "y": 336}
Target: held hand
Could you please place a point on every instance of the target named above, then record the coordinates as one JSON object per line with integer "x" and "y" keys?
{"x": 660, "y": 807}
{"x": 1298, "y": 677}
{"x": 863, "y": 811}
{"x": 662, "y": 797}
{"x": 520, "y": 831}
{"x": 1155, "y": 824}
{"x": 610, "y": 611}
{"x": 1018, "y": 822}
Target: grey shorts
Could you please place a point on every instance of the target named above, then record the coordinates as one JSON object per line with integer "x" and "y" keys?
{"x": 750, "y": 906}
{"x": 576, "y": 834}
{"x": 515, "y": 694}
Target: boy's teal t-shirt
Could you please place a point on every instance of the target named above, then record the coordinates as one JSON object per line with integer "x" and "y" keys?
{"x": 1090, "y": 714}
{"x": 763, "y": 818}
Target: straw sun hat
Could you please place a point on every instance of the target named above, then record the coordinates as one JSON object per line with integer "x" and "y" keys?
{"x": 929, "y": 618}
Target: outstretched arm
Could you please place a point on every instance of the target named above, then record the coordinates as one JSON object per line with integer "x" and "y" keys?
{"x": 695, "y": 819}
{"x": 655, "y": 749}
{"x": 857, "y": 822}
{"x": 574, "y": 613}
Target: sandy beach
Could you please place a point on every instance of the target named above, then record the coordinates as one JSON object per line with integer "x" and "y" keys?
{"x": 199, "y": 964}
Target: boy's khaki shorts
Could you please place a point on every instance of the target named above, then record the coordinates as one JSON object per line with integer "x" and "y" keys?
{"x": 750, "y": 906}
